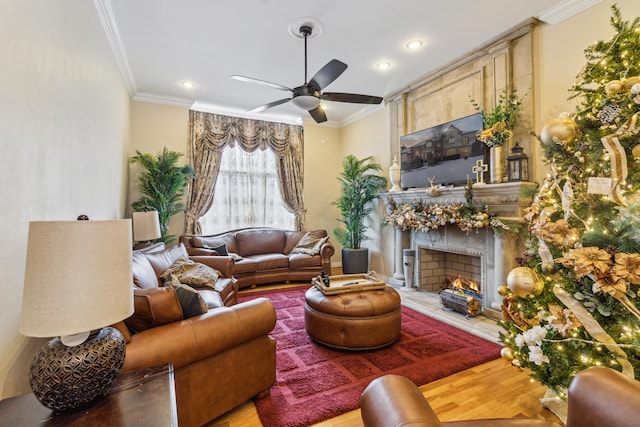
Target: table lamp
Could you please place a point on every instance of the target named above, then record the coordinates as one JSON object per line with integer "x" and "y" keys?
{"x": 146, "y": 226}
{"x": 78, "y": 281}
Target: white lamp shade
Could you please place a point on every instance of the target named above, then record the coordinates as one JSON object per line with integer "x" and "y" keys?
{"x": 146, "y": 226}
{"x": 78, "y": 277}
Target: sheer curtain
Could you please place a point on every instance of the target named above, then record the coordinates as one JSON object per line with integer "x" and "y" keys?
{"x": 247, "y": 194}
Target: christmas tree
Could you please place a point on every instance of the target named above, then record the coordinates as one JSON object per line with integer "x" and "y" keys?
{"x": 574, "y": 301}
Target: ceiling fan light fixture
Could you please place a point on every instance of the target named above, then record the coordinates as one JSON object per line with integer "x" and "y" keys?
{"x": 306, "y": 102}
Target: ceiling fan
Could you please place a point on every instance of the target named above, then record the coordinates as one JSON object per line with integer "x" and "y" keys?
{"x": 308, "y": 96}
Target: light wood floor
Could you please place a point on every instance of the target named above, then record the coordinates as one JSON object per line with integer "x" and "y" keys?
{"x": 492, "y": 390}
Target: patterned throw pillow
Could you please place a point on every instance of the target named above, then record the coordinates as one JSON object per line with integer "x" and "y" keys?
{"x": 190, "y": 300}
{"x": 192, "y": 273}
{"x": 310, "y": 244}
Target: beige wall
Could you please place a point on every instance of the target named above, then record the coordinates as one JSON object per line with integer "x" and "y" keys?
{"x": 322, "y": 160}
{"x": 153, "y": 127}
{"x": 370, "y": 137}
{"x": 64, "y": 114}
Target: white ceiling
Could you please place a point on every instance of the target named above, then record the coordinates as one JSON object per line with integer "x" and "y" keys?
{"x": 161, "y": 43}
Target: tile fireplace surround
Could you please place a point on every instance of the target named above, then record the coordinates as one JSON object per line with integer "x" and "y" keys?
{"x": 496, "y": 253}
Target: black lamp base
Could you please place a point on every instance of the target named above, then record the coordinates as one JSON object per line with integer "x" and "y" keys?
{"x": 71, "y": 378}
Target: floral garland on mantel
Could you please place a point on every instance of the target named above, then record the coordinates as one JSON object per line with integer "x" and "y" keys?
{"x": 421, "y": 217}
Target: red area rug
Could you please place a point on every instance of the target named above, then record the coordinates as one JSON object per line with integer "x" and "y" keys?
{"x": 315, "y": 383}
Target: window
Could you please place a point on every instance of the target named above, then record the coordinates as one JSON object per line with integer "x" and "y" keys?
{"x": 247, "y": 194}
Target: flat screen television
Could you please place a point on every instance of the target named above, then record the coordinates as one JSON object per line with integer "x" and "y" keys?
{"x": 445, "y": 153}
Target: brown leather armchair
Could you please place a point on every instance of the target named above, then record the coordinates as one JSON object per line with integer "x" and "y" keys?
{"x": 597, "y": 397}
{"x": 221, "y": 357}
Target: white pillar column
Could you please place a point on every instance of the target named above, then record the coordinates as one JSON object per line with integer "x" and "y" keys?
{"x": 398, "y": 265}
{"x": 504, "y": 256}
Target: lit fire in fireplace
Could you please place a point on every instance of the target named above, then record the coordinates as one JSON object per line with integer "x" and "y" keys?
{"x": 463, "y": 284}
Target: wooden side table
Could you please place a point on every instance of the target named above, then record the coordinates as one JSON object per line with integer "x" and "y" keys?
{"x": 145, "y": 397}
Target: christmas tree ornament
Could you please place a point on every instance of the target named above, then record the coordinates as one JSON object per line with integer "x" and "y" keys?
{"x": 561, "y": 129}
{"x": 613, "y": 87}
{"x": 506, "y": 353}
{"x": 503, "y": 291}
{"x": 609, "y": 113}
{"x": 630, "y": 82}
{"x": 635, "y": 152}
{"x": 548, "y": 267}
{"x": 524, "y": 281}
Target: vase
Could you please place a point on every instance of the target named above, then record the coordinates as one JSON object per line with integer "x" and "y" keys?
{"x": 394, "y": 175}
{"x": 496, "y": 164}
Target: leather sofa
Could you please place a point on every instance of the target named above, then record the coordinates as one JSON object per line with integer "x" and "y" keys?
{"x": 150, "y": 263}
{"x": 221, "y": 358}
{"x": 597, "y": 397}
{"x": 264, "y": 255}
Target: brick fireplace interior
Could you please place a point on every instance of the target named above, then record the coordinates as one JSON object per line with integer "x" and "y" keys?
{"x": 437, "y": 268}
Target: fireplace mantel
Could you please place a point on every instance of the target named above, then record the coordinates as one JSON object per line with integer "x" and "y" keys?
{"x": 503, "y": 200}
{"x": 497, "y": 252}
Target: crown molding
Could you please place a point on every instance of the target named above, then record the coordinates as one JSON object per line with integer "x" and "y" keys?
{"x": 565, "y": 10}
{"x": 226, "y": 111}
{"x": 155, "y": 98}
{"x": 110, "y": 27}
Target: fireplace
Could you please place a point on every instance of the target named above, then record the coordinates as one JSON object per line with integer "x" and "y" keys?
{"x": 483, "y": 256}
{"x": 440, "y": 269}
{"x": 454, "y": 267}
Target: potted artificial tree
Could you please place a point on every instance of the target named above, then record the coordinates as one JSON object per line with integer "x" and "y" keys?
{"x": 360, "y": 184}
{"x": 162, "y": 184}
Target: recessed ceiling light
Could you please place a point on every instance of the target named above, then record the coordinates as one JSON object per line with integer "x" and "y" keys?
{"x": 187, "y": 84}
{"x": 414, "y": 44}
{"x": 383, "y": 65}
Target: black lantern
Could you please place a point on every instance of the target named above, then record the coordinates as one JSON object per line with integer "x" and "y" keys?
{"x": 518, "y": 164}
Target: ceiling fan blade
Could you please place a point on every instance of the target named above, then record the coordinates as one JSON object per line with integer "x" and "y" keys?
{"x": 328, "y": 74}
{"x": 269, "y": 105}
{"x": 318, "y": 114}
{"x": 261, "y": 82}
{"x": 351, "y": 97}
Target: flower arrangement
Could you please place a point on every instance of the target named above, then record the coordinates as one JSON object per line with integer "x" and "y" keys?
{"x": 499, "y": 122}
{"x": 420, "y": 217}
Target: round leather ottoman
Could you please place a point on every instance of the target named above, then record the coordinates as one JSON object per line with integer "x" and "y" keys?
{"x": 361, "y": 320}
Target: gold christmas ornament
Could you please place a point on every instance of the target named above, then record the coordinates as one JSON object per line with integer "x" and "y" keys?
{"x": 503, "y": 291}
{"x": 524, "y": 281}
{"x": 560, "y": 129}
{"x": 613, "y": 87}
{"x": 635, "y": 152}
{"x": 506, "y": 353}
{"x": 631, "y": 81}
{"x": 548, "y": 267}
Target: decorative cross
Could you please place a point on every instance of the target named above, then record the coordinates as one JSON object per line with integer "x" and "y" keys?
{"x": 479, "y": 169}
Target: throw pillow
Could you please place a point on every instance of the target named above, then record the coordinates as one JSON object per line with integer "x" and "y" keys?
{"x": 192, "y": 273}
{"x": 309, "y": 244}
{"x": 190, "y": 300}
{"x": 222, "y": 249}
{"x": 154, "y": 307}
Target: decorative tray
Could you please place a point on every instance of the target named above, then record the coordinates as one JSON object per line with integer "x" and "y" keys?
{"x": 349, "y": 283}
